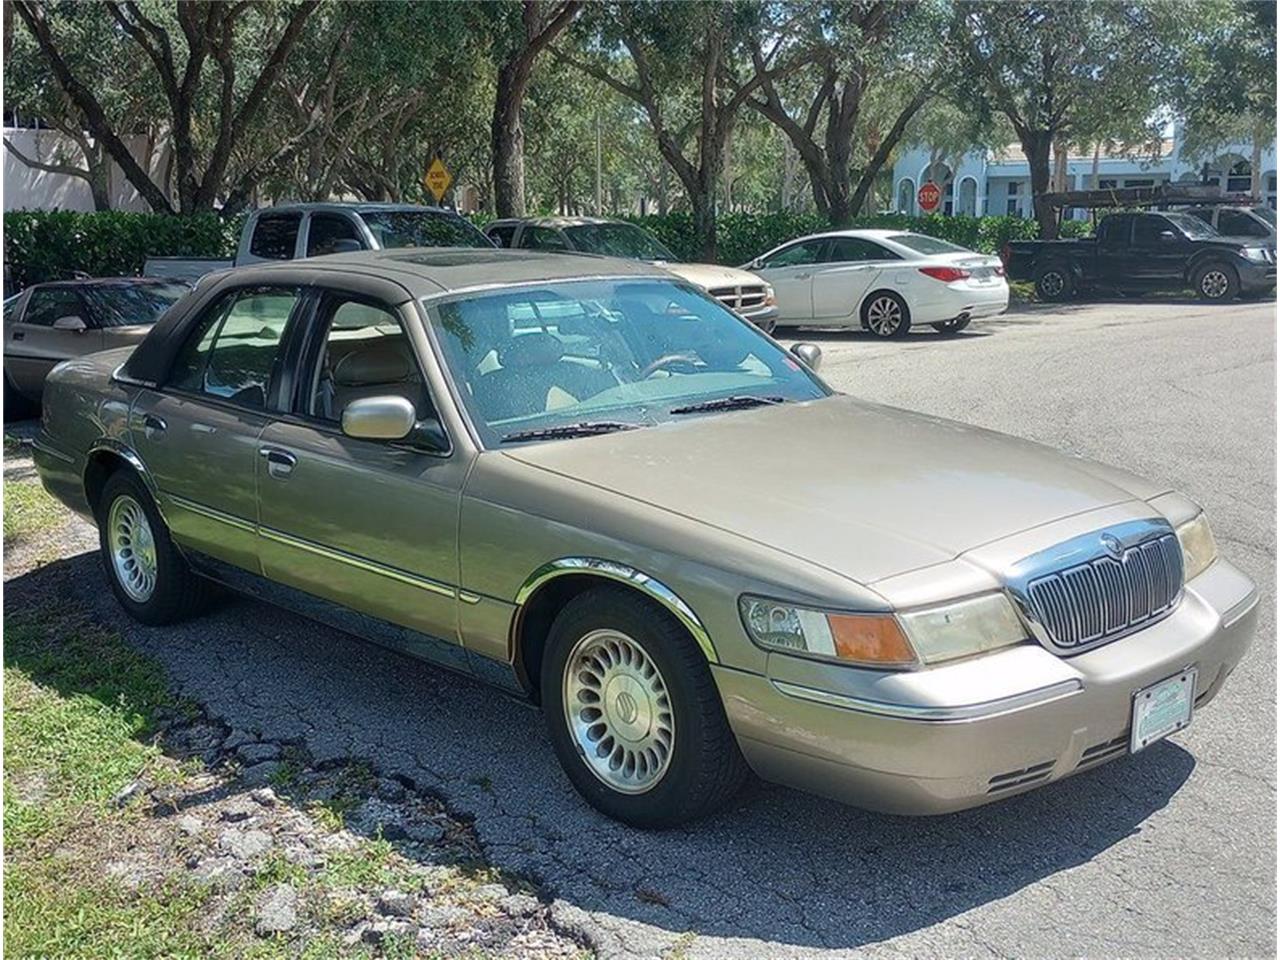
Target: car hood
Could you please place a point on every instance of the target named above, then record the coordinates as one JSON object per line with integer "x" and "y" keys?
{"x": 709, "y": 275}
{"x": 864, "y": 490}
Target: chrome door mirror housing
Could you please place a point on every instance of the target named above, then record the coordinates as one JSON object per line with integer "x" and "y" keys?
{"x": 70, "y": 322}
{"x": 379, "y": 418}
{"x": 810, "y": 354}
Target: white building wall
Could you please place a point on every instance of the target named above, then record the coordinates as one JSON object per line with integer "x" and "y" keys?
{"x": 26, "y": 188}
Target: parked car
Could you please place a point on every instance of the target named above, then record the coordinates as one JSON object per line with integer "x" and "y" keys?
{"x": 51, "y": 322}
{"x": 740, "y": 291}
{"x": 297, "y": 230}
{"x": 1257, "y": 223}
{"x": 882, "y": 280}
{"x": 1137, "y": 252}
{"x": 589, "y": 482}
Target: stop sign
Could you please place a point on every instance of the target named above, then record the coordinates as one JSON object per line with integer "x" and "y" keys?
{"x": 928, "y": 197}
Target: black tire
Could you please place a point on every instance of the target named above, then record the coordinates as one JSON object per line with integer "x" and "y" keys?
{"x": 954, "y": 325}
{"x": 1216, "y": 281}
{"x": 1054, "y": 282}
{"x": 705, "y": 766}
{"x": 876, "y": 303}
{"x": 178, "y": 593}
{"x": 17, "y": 405}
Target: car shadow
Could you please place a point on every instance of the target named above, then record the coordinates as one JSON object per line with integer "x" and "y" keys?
{"x": 778, "y": 865}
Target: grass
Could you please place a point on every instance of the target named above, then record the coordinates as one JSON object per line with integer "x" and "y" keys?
{"x": 29, "y": 510}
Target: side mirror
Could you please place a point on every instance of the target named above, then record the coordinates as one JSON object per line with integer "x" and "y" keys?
{"x": 1168, "y": 236}
{"x": 755, "y": 264}
{"x": 810, "y": 354}
{"x": 346, "y": 245}
{"x": 379, "y": 418}
{"x": 71, "y": 322}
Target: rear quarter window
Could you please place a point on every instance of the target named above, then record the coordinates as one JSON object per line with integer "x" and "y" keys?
{"x": 275, "y": 236}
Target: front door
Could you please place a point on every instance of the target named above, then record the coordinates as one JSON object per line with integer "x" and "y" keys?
{"x": 371, "y": 525}
{"x": 790, "y": 271}
{"x": 1160, "y": 251}
{"x": 33, "y": 346}
{"x": 198, "y": 434}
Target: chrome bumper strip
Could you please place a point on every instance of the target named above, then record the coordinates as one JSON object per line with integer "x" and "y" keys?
{"x": 934, "y": 714}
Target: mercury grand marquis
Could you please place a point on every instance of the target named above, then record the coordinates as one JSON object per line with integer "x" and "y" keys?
{"x": 586, "y": 480}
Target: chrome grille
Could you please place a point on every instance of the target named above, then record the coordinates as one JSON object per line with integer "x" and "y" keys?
{"x": 1108, "y": 596}
{"x": 739, "y": 298}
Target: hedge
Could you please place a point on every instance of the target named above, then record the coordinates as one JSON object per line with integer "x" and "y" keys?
{"x": 52, "y": 245}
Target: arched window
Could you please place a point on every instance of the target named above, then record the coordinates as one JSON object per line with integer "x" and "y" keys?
{"x": 968, "y": 205}
{"x": 906, "y": 196}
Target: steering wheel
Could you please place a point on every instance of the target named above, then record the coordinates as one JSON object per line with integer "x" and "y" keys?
{"x": 664, "y": 361}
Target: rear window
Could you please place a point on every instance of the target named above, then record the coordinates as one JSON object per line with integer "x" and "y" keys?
{"x": 422, "y": 228}
{"x": 926, "y": 245}
{"x": 275, "y": 236}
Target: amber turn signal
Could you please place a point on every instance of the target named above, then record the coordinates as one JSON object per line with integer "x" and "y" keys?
{"x": 870, "y": 639}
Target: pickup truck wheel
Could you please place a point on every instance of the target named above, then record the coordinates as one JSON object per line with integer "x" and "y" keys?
{"x": 634, "y": 715}
{"x": 886, "y": 315}
{"x": 148, "y": 575}
{"x": 1216, "y": 281}
{"x": 1054, "y": 282}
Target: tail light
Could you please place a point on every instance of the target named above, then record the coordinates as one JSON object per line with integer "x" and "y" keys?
{"x": 999, "y": 271}
{"x": 1006, "y": 254}
{"x": 945, "y": 274}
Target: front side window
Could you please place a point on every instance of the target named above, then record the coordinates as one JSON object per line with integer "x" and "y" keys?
{"x": 47, "y": 304}
{"x": 393, "y": 229}
{"x": 857, "y": 250}
{"x": 275, "y": 236}
{"x": 1193, "y": 227}
{"x": 134, "y": 304}
{"x": 234, "y": 350}
{"x": 618, "y": 240}
{"x": 796, "y": 255}
{"x": 365, "y": 354}
{"x": 636, "y": 352}
{"x": 326, "y": 229}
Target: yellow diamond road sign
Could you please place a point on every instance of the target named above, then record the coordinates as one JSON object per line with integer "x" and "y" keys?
{"x": 437, "y": 179}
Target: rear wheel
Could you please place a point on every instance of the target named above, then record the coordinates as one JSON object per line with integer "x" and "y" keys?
{"x": 886, "y": 315}
{"x": 1054, "y": 282}
{"x": 954, "y": 325}
{"x": 148, "y": 575}
{"x": 1216, "y": 281}
{"x": 634, "y": 715}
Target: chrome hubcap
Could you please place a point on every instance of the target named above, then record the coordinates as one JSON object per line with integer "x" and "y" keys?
{"x": 884, "y": 316}
{"x": 618, "y": 711}
{"x": 1051, "y": 284}
{"x": 133, "y": 548}
{"x": 1214, "y": 284}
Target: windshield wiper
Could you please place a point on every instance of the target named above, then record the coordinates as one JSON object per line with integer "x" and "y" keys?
{"x": 727, "y": 403}
{"x": 587, "y": 428}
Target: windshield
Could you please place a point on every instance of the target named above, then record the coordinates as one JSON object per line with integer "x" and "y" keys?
{"x": 1193, "y": 227}
{"x": 618, "y": 240}
{"x": 626, "y": 352}
{"x": 123, "y": 305}
{"x": 926, "y": 245}
{"x": 422, "y": 228}
{"x": 1266, "y": 213}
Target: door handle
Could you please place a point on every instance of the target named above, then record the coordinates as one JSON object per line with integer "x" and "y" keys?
{"x": 280, "y": 463}
{"x": 19, "y": 335}
{"x": 152, "y": 425}
{"x": 804, "y": 276}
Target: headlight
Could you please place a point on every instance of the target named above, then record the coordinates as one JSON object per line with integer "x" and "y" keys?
{"x": 1254, "y": 253}
{"x": 927, "y": 635}
{"x": 963, "y": 628}
{"x": 1198, "y": 547}
{"x": 872, "y": 639}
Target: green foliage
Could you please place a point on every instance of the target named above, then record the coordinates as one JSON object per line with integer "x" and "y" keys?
{"x": 52, "y": 245}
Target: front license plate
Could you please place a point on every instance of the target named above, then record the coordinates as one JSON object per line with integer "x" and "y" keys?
{"x": 1162, "y": 708}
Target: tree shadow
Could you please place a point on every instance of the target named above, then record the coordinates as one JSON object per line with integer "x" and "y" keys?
{"x": 779, "y": 865}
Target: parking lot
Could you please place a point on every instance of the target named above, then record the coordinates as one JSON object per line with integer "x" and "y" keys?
{"x": 1169, "y": 853}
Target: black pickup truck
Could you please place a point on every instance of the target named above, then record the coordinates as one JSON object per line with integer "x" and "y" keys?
{"x": 1135, "y": 252}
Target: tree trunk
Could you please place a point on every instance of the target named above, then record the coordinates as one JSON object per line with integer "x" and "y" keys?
{"x": 663, "y": 208}
{"x": 1037, "y": 145}
{"x": 1255, "y": 168}
{"x": 507, "y": 140}
{"x": 704, "y": 224}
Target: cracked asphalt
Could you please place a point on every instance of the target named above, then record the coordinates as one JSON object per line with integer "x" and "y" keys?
{"x": 1167, "y": 853}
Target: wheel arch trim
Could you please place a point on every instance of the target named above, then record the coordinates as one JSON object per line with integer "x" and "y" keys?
{"x": 110, "y": 445}
{"x": 619, "y": 573}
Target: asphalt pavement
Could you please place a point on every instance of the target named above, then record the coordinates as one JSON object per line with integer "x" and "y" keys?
{"x": 1167, "y": 853}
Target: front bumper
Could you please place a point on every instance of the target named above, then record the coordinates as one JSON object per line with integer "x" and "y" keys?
{"x": 943, "y": 743}
{"x": 763, "y": 317}
{"x": 961, "y": 298}
{"x": 1256, "y": 277}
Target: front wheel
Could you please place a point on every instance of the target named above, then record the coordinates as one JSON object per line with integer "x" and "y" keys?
{"x": 148, "y": 575}
{"x": 1216, "y": 281}
{"x": 886, "y": 315}
{"x": 634, "y": 715}
{"x": 1054, "y": 283}
{"x": 954, "y": 325}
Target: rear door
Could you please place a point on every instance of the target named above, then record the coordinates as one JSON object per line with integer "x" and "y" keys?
{"x": 791, "y": 270}
{"x": 33, "y": 347}
{"x": 368, "y": 524}
{"x": 198, "y": 432}
{"x": 850, "y": 265}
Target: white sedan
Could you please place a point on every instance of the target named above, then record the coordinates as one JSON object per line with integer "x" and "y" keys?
{"x": 882, "y": 280}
